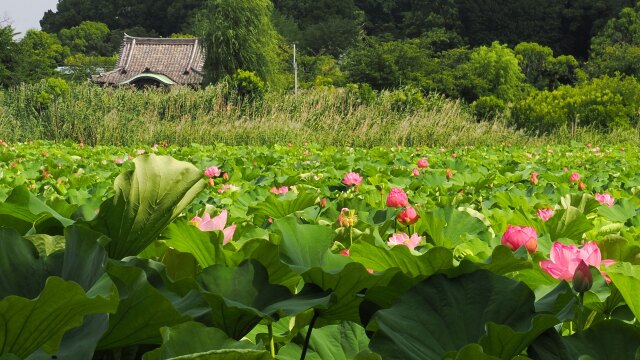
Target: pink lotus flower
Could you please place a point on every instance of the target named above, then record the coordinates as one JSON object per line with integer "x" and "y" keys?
{"x": 397, "y": 198}
{"x": 545, "y": 214}
{"x": 565, "y": 260}
{"x": 574, "y": 177}
{"x": 119, "y": 161}
{"x": 344, "y": 252}
{"x": 207, "y": 223}
{"x": 449, "y": 174}
{"x": 212, "y": 171}
{"x": 404, "y": 239}
{"x": 279, "y": 191}
{"x": 605, "y": 199}
{"x": 423, "y": 163}
{"x": 140, "y": 152}
{"x": 352, "y": 179}
{"x": 518, "y": 236}
{"x": 408, "y": 217}
{"x": 415, "y": 172}
{"x": 581, "y": 186}
{"x": 534, "y": 178}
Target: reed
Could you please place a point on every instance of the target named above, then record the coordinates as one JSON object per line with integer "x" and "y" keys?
{"x": 326, "y": 116}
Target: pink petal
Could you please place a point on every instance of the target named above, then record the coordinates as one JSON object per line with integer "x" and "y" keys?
{"x": 218, "y": 222}
{"x": 608, "y": 262}
{"x": 553, "y": 269}
{"x": 590, "y": 254}
{"x": 228, "y": 234}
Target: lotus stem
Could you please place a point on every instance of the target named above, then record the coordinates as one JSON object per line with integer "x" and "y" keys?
{"x": 272, "y": 345}
{"x": 308, "y": 337}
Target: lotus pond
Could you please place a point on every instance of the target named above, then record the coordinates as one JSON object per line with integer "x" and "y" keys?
{"x": 301, "y": 252}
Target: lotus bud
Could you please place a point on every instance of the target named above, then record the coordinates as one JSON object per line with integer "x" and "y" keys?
{"x": 582, "y": 278}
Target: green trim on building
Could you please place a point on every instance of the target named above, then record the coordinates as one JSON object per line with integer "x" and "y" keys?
{"x": 158, "y": 77}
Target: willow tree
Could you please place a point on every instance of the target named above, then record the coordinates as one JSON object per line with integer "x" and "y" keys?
{"x": 237, "y": 34}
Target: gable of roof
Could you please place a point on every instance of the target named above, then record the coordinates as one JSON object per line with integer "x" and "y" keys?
{"x": 180, "y": 60}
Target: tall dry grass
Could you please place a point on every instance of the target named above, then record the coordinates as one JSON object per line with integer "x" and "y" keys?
{"x": 338, "y": 117}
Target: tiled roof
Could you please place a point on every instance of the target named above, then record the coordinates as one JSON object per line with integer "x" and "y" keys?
{"x": 181, "y": 60}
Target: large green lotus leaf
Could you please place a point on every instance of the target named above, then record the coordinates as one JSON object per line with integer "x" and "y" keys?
{"x": 443, "y": 314}
{"x": 180, "y": 265}
{"x": 624, "y": 210}
{"x": 143, "y": 308}
{"x": 626, "y": 277}
{"x": 242, "y": 297}
{"x": 183, "y": 294}
{"x": 277, "y": 208}
{"x": 239, "y": 354}
{"x": 504, "y": 261}
{"x": 147, "y": 199}
{"x": 585, "y": 203}
{"x": 26, "y": 213}
{"x": 47, "y": 244}
{"x": 568, "y": 223}
{"x": 195, "y": 338}
{"x": 346, "y": 285}
{"x": 476, "y": 352}
{"x": 307, "y": 246}
{"x": 78, "y": 343}
{"x": 560, "y": 302}
{"x": 619, "y": 248}
{"x": 84, "y": 255}
{"x": 383, "y": 297}
{"x": 449, "y": 227}
{"x": 345, "y": 341}
{"x": 380, "y": 259}
{"x": 30, "y": 324}
{"x": 537, "y": 280}
{"x": 22, "y": 271}
{"x": 504, "y": 342}
{"x": 606, "y": 340}
{"x": 268, "y": 254}
{"x": 203, "y": 245}
{"x": 84, "y": 263}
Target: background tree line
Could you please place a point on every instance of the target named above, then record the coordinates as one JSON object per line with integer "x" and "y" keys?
{"x": 556, "y": 61}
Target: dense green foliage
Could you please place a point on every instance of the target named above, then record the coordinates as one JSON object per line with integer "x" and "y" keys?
{"x": 505, "y": 59}
{"x": 107, "y": 251}
{"x": 237, "y": 34}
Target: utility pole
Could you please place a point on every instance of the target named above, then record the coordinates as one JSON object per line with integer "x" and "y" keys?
{"x": 295, "y": 71}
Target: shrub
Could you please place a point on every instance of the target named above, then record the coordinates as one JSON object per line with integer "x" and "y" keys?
{"x": 248, "y": 85}
{"x": 603, "y": 103}
{"x": 407, "y": 99}
{"x": 488, "y": 107}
